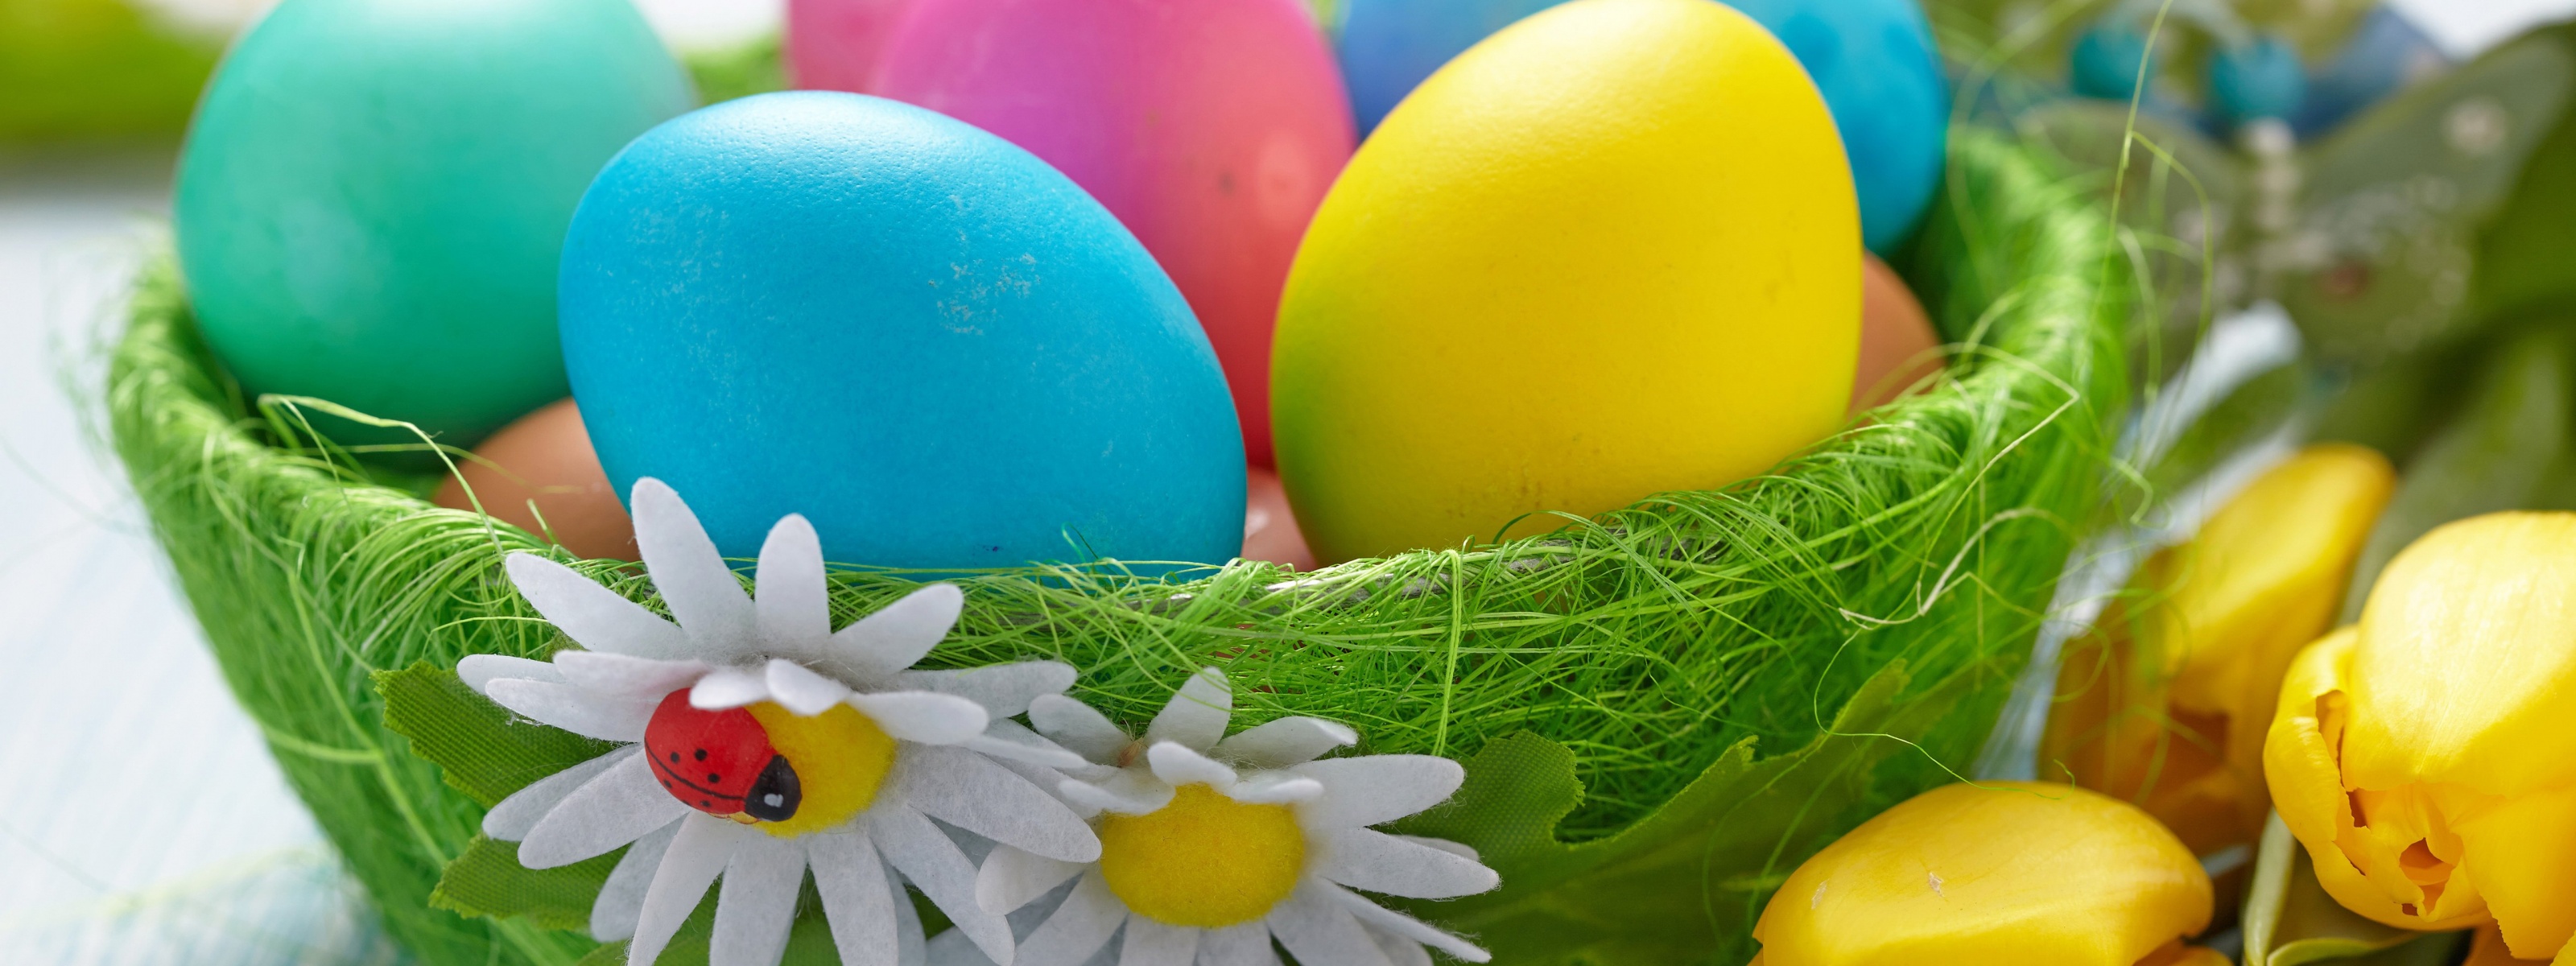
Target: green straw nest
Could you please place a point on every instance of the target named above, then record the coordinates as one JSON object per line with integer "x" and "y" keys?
{"x": 1733, "y": 677}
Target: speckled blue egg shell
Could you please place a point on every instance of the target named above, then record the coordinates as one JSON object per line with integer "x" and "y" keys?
{"x": 373, "y": 193}
{"x": 927, "y": 341}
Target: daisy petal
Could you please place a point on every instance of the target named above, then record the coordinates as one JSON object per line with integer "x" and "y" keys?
{"x": 479, "y": 670}
{"x": 1177, "y": 766}
{"x": 1003, "y": 689}
{"x": 621, "y": 805}
{"x": 1079, "y": 927}
{"x": 1011, "y": 878}
{"x": 1008, "y": 739}
{"x": 621, "y": 898}
{"x": 1399, "y": 950}
{"x": 923, "y": 717}
{"x": 510, "y": 820}
{"x": 926, "y": 855}
{"x": 697, "y": 855}
{"x": 573, "y": 709}
{"x": 1378, "y": 788}
{"x": 1151, "y": 943}
{"x": 952, "y": 948}
{"x": 703, "y": 593}
{"x": 1378, "y": 862}
{"x": 1078, "y": 727}
{"x": 728, "y": 687}
{"x": 1129, "y": 792}
{"x": 1285, "y": 742}
{"x": 1381, "y": 919}
{"x": 757, "y": 902}
{"x": 858, "y": 903}
{"x": 1196, "y": 715}
{"x": 891, "y": 640}
{"x": 599, "y": 618}
{"x": 1459, "y": 849}
{"x": 790, "y": 607}
{"x": 1274, "y": 788}
{"x": 801, "y": 690}
{"x": 1317, "y": 929}
{"x": 1245, "y": 944}
{"x": 909, "y": 949}
{"x": 632, "y": 678}
{"x": 964, "y": 789}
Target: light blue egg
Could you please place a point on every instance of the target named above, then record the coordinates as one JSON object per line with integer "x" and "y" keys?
{"x": 2104, "y": 61}
{"x": 927, "y": 341}
{"x": 1388, "y": 47}
{"x": 2257, "y": 79}
{"x": 1876, "y": 65}
{"x": 1873, "y": 60}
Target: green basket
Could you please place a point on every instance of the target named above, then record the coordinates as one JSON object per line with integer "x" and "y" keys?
{"x": 1663, "y": 710}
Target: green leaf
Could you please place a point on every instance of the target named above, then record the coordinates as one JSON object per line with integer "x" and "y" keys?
{"x": 1686, "y": 883}
{"x": 484, "y": 750}
{"x": 488, "y": 881}
{"x": 2290, "y": 920}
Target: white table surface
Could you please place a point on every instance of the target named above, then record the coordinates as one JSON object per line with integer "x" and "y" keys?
{"x": 145, "y": 822}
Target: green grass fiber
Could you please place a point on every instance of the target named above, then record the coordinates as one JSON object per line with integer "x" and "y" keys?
{"x": 1646, "y": 641}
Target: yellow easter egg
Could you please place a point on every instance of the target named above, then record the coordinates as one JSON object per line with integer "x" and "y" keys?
{"x": 1611, "y": 251}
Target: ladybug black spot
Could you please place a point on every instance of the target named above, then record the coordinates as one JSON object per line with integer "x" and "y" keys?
{"x": 702, "y": 755}
{"x": 714, "y": 779}
{"x": 675, "y": 756}
{"x": 776, "y": 793}
{"x": 703, "y": 803}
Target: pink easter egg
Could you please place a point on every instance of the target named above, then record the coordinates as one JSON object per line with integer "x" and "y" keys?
{"x": 1210, "y": 128}
{"x": 833, "y": 45}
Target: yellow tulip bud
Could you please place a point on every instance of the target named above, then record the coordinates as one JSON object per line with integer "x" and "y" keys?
{"x": 2426, "y": 757}
{"x": 2175, "y": 719}
{"x": 2007, "y": 874}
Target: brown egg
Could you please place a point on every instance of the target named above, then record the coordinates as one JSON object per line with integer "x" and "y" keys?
{"x": 1269, "y": 529}
{"x": 1896, "y": 338}
{"x": 546, "y": 458}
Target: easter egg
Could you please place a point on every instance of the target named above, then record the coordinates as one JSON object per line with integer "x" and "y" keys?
{"x": 935, "y": 347}
{"x": 373, "y": 195}
{"x": 545, "y": 459}
{"x": 1211, "y": 129}
{"x": 1269, "y": 527}
{"x": 833, "y": 45}
{"x": 2105, "y": 61}
{"x": 1896, "y": 338}
{"x": 1610, "y": 251}
{"x": 1875, "y": 62}
{"x": 1388, "y": 46}
{"x": 2259, "y": 78}
{"x": 1873, "y": 59}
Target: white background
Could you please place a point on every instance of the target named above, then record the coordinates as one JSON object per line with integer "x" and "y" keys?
{"x": 144, "y": 821}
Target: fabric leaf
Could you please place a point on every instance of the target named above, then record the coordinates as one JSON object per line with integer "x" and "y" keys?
{"x": 1698, "y": 870}
{"x": 484, "y": 750}
{"x": 488, "y": 881}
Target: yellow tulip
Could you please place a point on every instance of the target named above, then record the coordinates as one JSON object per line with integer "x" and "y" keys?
{"x": 2169, "y": 710}
{"x": 2006, "y": 874}
{"x": 2426, "y": 757}
{"x": 2487, "y": 949}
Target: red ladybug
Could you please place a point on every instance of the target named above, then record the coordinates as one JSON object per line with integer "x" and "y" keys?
{"x": 720, "y": 762}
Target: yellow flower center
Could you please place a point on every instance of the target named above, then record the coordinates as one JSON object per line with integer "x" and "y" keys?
{"x": 840, "y": 758}
{"x": 1204, "y": 860}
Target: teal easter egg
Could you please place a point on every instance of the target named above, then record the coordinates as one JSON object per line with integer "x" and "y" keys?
{"x": 374, "y": 193}
{"x": 924, "y": 339}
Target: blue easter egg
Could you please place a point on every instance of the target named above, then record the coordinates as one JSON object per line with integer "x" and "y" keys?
{"x": 1387, "y": 47}
{"x": 2104, "y": 62}
{"x": 2260, "y": 78}
{"x": 1872, "y": 59}
{"x": 927, "y": 341}
{"x": 1875, "y": 63}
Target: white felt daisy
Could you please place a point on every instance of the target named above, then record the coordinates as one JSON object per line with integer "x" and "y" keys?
{"x": 759, "y": 744}
{"x": 1212, "y": 846}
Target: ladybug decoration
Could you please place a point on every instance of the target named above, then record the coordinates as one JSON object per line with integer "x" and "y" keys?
{"x": 720, "y": 762}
